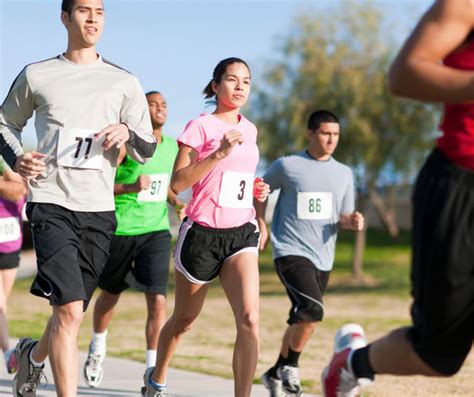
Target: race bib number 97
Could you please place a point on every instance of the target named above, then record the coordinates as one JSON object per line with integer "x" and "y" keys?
{"x": 158, "y": 190}
{"x": 78, "y": 148}
{"x": 314, "y": 205}
{"x": 236, "y": 190}
{"x": 9, "y": 229}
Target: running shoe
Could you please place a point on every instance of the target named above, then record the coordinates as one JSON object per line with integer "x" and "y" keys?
{"x": 338, "y": 379}
{"x": 273, "y": 385}
{"x": 150, "y": 389}
{"x": 27, "y": 377}
{"x": 93, "y": 369}
{"x": 290, "y": 379}
{"x": 11, "y": 362}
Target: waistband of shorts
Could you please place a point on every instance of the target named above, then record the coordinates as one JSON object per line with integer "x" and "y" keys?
{"x": 218, "y": 230}
{"x": 440, "y": 161}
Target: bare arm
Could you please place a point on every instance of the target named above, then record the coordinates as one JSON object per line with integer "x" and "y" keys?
{"x": 260, "y": 210}
{"x": 12, "y": 185}
{"x": 143, "y": 181}
{"x": 417, "y": 71}
{"x": 187, "y": 170}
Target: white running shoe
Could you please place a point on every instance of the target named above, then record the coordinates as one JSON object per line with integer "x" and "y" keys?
{"x": 273, "y": 385}
{"x": 93, "y": 369}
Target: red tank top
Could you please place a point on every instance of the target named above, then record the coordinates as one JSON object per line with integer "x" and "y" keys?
{"x": 457, "y": 141}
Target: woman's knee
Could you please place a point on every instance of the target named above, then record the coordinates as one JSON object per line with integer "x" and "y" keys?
{"x": 182, "y": 324}
{"x": 249, "y": 321}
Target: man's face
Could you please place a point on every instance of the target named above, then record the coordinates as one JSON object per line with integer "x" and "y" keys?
{"x": 86, "y": 23}
{"x": 158, "y": 109}
{"x": 325, "y": 138}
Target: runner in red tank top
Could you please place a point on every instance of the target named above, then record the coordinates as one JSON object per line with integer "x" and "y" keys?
{"x": 436, "y": 64}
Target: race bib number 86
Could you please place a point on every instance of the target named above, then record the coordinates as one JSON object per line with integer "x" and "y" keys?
{"x": 78, "y": 148}
{"x": 314, "y": 205}
{"x": 236, "y": 190}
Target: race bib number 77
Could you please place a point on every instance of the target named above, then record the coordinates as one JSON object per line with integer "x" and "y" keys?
{"x": 78, "y": 148}
{"x": 314, "y": 205}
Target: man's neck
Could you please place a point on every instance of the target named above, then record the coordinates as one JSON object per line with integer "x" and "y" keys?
{"x": 157, "y": 134}
{"x": 81, "y": 55}
{"x": 315, "y": 154}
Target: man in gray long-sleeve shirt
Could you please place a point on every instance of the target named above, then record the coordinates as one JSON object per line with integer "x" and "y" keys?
{"x": 86, "y": 109}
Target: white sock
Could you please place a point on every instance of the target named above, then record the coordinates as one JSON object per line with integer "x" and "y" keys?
{"x": 150, "y": 358}
{"x": 99, "y": 343}
{"x": 33, "y": 362}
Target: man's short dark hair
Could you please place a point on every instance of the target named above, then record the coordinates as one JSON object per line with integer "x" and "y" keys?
{"x": 152, "y": 92}
{"x": 321, "y": 116}
{"x": 67, "y": 6}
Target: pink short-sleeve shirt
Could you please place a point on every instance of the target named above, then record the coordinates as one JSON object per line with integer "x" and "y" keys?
{"x": 224, "y": 197}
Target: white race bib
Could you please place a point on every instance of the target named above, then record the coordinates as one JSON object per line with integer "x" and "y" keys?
{"x": 9, "y": 229}
{"x": 158, "y": 190}
{"x": 78, "y": 148}
{"x": 314, "y": 205}
{"x": 236, "y": 190}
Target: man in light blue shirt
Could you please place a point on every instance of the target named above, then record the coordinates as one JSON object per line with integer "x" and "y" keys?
{"x": 316, "y": 198}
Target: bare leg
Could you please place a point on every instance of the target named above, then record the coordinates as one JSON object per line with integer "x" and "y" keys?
{"x": 240, "y": 280}
{"x": 297, "y": 335}
{"x": 7, "y": 278}
{"x": 104, "y": 310}
{"x": 394, "y": 354}
{"x": 63, "y": 354}
{"x": 156, "y": 317}
{"x": 189, "y": 300}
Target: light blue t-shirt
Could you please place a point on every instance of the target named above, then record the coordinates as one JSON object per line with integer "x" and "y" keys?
{"x": 313, "y": 195}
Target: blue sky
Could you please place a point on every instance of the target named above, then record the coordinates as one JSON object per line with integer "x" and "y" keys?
{"x": 170, "y": 45}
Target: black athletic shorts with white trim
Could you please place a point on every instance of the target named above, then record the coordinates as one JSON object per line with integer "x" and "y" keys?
{"x": 443, "y": 264}
{"x": 10, "y": 260}
{"x": 305, "y": 285}
{"x": 71, "y": 250}
{"x": 201, "y": 251}
{"x": 141, "y": 262}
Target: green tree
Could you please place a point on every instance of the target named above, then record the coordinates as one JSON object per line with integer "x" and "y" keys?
{"x": 337, "y": 60}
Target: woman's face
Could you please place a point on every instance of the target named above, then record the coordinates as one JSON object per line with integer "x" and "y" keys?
{"x": 234, "y": 88}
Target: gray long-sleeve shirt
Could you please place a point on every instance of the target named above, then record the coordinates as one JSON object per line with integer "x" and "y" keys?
{"x": 71, "y": 102}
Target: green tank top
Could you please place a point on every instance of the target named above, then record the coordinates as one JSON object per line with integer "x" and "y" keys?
{"x": 145, "y": 212}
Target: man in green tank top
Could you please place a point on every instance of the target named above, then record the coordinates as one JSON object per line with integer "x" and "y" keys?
{"x": 140, "y": 248}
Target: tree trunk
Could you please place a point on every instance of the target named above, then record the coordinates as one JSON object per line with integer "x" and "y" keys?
{"x": 386, "y": 212}
{"x": 357, "y": 256}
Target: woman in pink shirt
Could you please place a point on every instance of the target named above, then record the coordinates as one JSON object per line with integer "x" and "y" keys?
{"x": 218, "y": 158}
{"x": 12, "y": 198}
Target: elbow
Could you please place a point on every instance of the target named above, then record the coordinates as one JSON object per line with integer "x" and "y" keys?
{"x": 175, "y": 187}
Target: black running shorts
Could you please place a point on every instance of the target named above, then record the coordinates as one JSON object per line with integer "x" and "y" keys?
{"x": 141, "y": 262}
{"x": 201, "y": 251}
{"x": 305, "y": 285}
{"x": 443, "y": 264}
{"x": 10, "y": 260}
{"x": 71, "y": 250}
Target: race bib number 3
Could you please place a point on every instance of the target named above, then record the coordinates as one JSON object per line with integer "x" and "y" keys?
{"x": 314, "y": 205}
{"x": 9, "y": 229}
{"x": 158, "y": 190}
{"x": 236, "y": 190}
{"x": 77, "y": 148}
